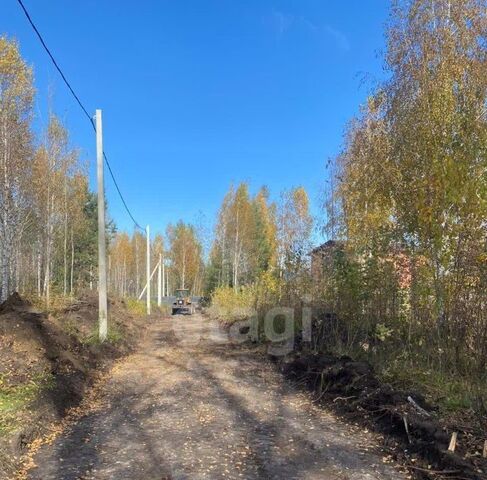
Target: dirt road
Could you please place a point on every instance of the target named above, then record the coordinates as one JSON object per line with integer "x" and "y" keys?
{"x": 190, "y": 406}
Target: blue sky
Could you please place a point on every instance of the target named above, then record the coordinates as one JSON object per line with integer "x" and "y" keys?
{"x": 197, "y": 94}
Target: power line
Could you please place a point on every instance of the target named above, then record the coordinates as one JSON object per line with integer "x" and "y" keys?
{"x": 55, "y": 63}
{"x": 120, "y": 193}
{"x": 85, "y": 111}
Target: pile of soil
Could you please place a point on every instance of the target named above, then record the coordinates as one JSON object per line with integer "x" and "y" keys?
{"x": 58, "y": 351}
{"x": 13, "y": 302}
{"x": 412, "y": 429}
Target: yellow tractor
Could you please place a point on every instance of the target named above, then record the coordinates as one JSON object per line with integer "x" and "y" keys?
{"x": 183, "y": 302}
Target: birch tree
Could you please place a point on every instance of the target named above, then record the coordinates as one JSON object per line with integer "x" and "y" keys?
{"x": 412, "y": 185}
{"x": 294, "y": 225}
{"x": 185, "y": 254}
{"x": 16, "y": 99}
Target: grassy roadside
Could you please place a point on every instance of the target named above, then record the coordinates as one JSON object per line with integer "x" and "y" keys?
{"x": 139, "y": 307}
{"x": 15, "y": 400}
{"x": 452, "y": 393}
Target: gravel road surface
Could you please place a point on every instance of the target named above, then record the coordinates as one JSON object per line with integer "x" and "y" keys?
{"x": 190, "y": 405}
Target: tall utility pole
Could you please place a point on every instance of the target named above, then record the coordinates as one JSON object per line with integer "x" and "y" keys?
{"x": 163, "y": 278}
{"x": 159, "y": 282}
{"x": 147, "y": 231}
{"x": 167, "y": 282}
{"x": 102, "y": 265}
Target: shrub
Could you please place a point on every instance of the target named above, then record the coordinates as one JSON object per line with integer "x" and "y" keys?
{"x": 231, "y": 305}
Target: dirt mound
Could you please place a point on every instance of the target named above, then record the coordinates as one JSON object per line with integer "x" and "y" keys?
{"x": 80, "y": 318}
{"x": 411, "y": 426}
{"x": 13, "y": 303}
{"x": 47, "y": 362}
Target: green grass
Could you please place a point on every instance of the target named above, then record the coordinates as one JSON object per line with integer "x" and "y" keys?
{"x": 452, "y": 393}
{"x": 57, "y": 302}
{"x": 114, "y": 336}
{"x": 15, "y": 399}
{"x": 71, "y": 328}
{"x": 139, "y": 307}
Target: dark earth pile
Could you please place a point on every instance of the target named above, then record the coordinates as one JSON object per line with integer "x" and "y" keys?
{"x": 412, "y": 429}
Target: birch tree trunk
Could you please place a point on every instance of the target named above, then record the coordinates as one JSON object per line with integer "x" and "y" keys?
{"x": 39, "y": 271}
{"x": 5, "y": 219}
{"x": 49, "y": 241}
{"x": 235, "y": 256}
{"x": 137, "y": 284}
{"x": 72, "y": 265}
{"x": 65, "y": 279}
{"x": 223, "y": 273}
{"x": 183, "y": 279}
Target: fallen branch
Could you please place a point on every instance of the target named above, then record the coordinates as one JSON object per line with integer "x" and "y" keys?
{"x": 407, "y": 428}
{"x": 433, "y": 472}
{"x": 417, "y": 407}
{"x": 343, "y": 398}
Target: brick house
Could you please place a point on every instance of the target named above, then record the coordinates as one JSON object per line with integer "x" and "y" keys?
{"x": 322, "y": 257}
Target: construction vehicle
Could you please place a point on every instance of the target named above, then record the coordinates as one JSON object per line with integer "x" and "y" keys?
{"x": 183, "y": 302}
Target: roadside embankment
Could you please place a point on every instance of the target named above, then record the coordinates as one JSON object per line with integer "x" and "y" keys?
{"x": 415, "y": 432}
{"x": 49, "y": 360}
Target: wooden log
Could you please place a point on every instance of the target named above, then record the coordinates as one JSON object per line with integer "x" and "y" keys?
{"x": 453, "y": 442}
{"x": 484, "y": 453}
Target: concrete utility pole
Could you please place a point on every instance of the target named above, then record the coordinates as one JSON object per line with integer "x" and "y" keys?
{"x": 167, "y": 283}
{"x": 163, "y": 278}
{"x": 159, "y": 282}
{"x": 102, "y": 265}
{"x": 147, "y": 231}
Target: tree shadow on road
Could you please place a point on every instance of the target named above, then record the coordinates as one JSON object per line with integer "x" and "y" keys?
{"x": 205, "y": 411}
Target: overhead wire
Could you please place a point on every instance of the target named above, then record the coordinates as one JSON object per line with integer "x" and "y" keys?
{"x": 85, "y": 111}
